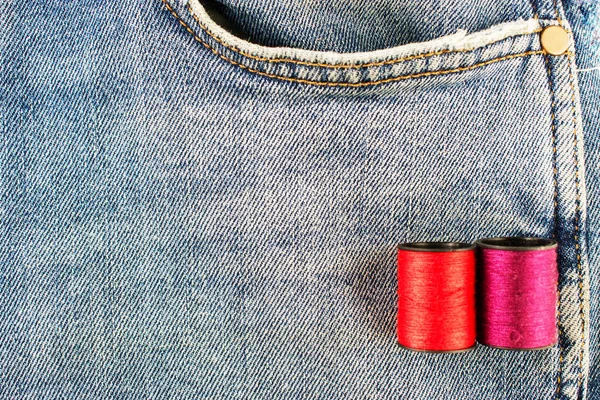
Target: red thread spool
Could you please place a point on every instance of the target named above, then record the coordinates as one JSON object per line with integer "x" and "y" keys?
{"x": 436, "y": 296}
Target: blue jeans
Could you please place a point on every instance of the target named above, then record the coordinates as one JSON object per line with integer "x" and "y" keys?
{"x": 202, "y": 200}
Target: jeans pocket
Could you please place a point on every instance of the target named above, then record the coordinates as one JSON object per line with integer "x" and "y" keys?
{"x": 485, "y": 140}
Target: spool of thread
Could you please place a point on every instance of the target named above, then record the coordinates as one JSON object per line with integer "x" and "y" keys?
{"x": 436, "y": 296}
{"x": 516, "y": 293}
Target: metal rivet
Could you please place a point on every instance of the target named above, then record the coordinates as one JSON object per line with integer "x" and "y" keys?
{"x": 555, "y": 40}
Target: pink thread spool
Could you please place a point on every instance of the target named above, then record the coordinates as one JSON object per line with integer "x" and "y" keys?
{"x": 516, "y": 293}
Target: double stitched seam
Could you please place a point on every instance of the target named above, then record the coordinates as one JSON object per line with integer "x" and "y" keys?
{"x": 577, "y": 233}
{"x": 423, "y": 74}
{"x": 555, "y": 211}
{"x": 346, "y": 84}
{"x": 577, "y": 220}
{"x": 325, "y": 65}
{"x": 559, "y": 322}
{"x": 555, "y": 178}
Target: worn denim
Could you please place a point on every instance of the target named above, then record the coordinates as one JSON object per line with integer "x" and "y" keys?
{"x": 585, "y": 21}
{"x": 188, "y": 213}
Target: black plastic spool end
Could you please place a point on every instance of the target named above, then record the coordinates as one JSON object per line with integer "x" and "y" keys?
{"x": 441, "y": 247}
{"x": 516, "y": 243}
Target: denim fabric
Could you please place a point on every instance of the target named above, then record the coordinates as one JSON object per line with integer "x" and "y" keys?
{"x": 189, "y": 215}
{"x": 362, "y": 25}
{"x": 585, "y": 20}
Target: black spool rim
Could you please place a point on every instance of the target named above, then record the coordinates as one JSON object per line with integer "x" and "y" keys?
{"x": 441, "y": 247}
{"x": 438, "y": 351}
{"x": 516, "y": 243}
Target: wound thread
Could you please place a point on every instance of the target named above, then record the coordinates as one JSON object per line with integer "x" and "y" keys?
{"x": 436, "y": 296}
{"x": 516, "y": 293}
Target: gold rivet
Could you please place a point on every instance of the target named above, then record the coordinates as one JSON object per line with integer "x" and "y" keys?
{"x": 555, "y": 40}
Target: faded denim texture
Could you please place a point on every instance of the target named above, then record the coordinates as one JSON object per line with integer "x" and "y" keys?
{"x": 585, "y": 20}
{"x": 190, "y": 215}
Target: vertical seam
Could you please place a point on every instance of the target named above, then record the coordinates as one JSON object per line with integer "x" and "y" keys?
{"x": 559, "y": 324}
{"x": 577, "y": 234}
{"x": 561, "y": 357}
{"x": 555, "y": 216}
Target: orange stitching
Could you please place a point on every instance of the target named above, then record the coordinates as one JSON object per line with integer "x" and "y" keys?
{"x": 569, "y": 54}
{"x": 555, "y": 178}
{"x": 577, "y": 214}
{"x": 347, "y": 84}
{"x": 561, "y": 360}
{"x": 340, "y": 66}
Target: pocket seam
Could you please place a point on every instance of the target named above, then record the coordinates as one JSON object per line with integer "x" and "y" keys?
{"x": 343, "y": 84}
{"x": 341, "y": 66}
{"x": 577, "y": 233}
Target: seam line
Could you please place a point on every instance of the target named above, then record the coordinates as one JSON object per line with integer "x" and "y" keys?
{"x": 347, "y": 84}
{"x": 339, "y": 66}
{"x": 555, "y": 228}
{"x": 555, "y": 178}
{"x": 424, "y": 74}
{"x": 561, "y": 359}
{"x": 577, "y": 220}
